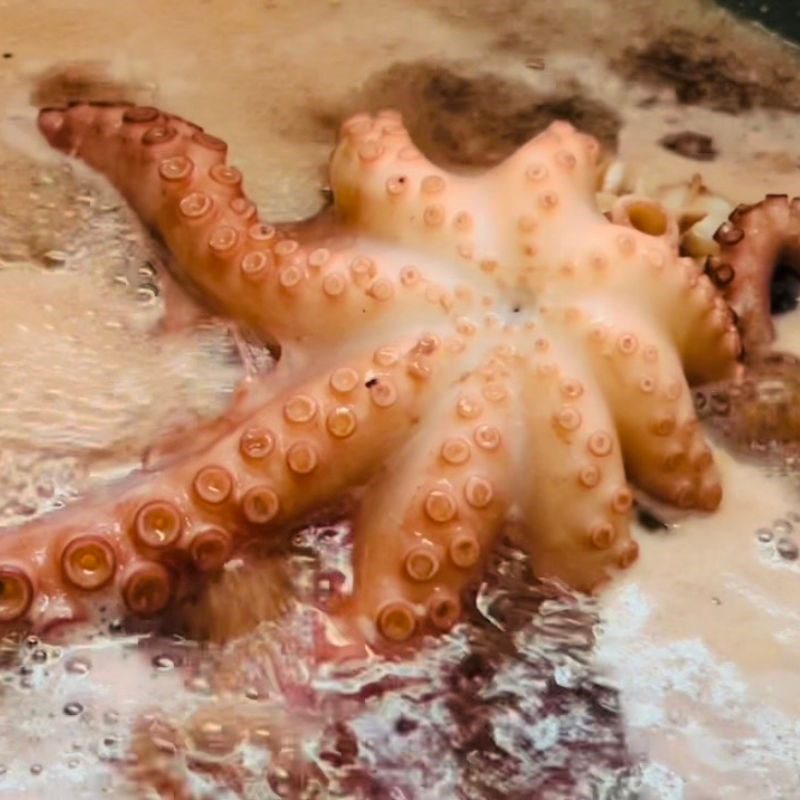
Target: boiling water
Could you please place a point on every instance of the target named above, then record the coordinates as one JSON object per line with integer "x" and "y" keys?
{"x": 506, "y": 705}
{"x": 680, "y": 684}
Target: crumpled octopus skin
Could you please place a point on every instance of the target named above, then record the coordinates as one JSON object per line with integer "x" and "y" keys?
{"x": 469, "y": 351}
{"x": 752, "y": 243}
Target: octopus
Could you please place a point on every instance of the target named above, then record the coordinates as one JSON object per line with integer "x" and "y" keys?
{"x": 459, "y": 356}
{"x": 753, "y": 242}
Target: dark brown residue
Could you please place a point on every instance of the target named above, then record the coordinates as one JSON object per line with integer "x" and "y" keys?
{"x": 465, "y": 119}
{"x": 704, "y": 70}
{"x": 690, "y": 145}
{"x": 84, "y": 81}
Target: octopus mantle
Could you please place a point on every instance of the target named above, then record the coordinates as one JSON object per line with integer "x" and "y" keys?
{"x": 470, "y": 351}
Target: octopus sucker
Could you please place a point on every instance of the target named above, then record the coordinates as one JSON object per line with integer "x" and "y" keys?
{"x": 459, "y": 353}
{"x": 752, "y": 242}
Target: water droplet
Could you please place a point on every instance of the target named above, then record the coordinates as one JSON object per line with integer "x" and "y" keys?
{"x": 73, "y": 709}
{"x": 280, "y": 782}
{"x": 36, "y": 769}
{"x": 79, "y": 665}
{"x": 199, "y": 685}
{"x": 109, "y": 749}
{"x": 764, "y": 535}
{"x": 781, "y": 527}
{"x": 405, "y": 725}
{"x": 55, "y": 258}
{"x": 565, "y": 676}
{"x": 147, "y": 271}
{"x": 39, "y": 656}
{"x": 787, "y": 549}
{"x": 163, "y": 663}
{"x": 147, "y": 293}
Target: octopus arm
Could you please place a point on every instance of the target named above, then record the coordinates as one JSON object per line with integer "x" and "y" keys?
{"x": 573, "y": 496}
{"x": 752, "y": 242}
{"x": 177, "y": 179}
{"x": 383, "y": 185}
{"x": 302, "y": 448}
{"x": 626, "y": 267}
{"x": 642, "y": 381}
{"x": 427, "y": 524}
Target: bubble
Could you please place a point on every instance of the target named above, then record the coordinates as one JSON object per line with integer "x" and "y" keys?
{"x": 73, "y": 709}
{"x": 78, "y": 665}
{"x": 787, "y": 549}
{"x": 782, "y": 527}
{"x": 764, "y": 535}
{"x": 405, "y": 725}
{"x": 111, "y": 717}
{"x": 198, "y": 685}
{"x": 163, "y": 663}
{"x": 280, "y": 781}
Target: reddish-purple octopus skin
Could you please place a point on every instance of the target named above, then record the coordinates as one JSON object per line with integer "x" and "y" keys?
{"x": 469, "y": 353}
{"x": 753, "y": 241}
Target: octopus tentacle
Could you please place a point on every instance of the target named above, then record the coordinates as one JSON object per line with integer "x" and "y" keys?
{"x": 176, "y": 177}
{"x": 627, "y": 266}
{"x": 383, "y": 185}
{"x": 665, "y": 453}
{"x": 425, "y": 529}
{"x": 306, "y": 445}
{"x": 752, "y": 242}
{"x": 575, "y": 497}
